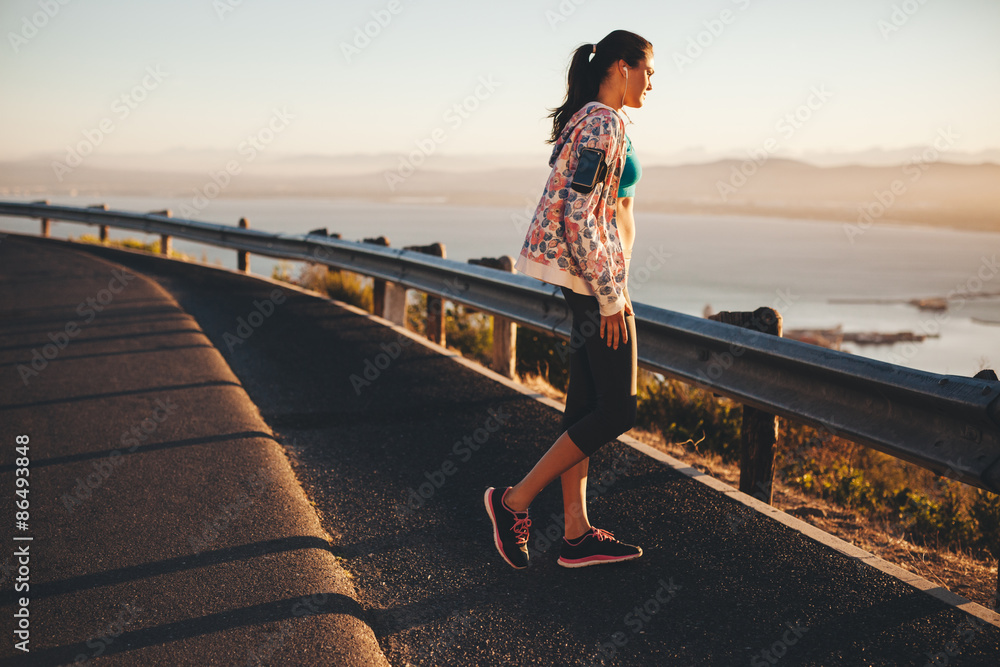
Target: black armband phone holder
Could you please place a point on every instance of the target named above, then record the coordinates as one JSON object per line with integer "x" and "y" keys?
{"x": 590, "y": 170}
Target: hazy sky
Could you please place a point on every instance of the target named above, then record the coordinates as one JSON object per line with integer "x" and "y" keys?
{"x": 205, "y": 74}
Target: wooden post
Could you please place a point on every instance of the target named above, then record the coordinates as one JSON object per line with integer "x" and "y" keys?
{"x": 759, "y": 431}
{"x": 330, "y": 269}
{"x": 165, "y": 240}
{"x": 504, "y": 329}
{"x": 435, "y": 305}
{"x": 379, "y": 287}
{"x": 102, "y": 229}
{"x": 243, "y": 257}
{"x": 45, "y": 227}
{"x": 989, "y": 374}
{"x": 395, "y": 303}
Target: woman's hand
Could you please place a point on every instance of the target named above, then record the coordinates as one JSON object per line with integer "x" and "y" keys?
{"x": 616, "y": 327}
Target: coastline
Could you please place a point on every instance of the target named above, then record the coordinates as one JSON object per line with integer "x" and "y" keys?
{"x": 942, "y": 195}
{"x": 933, "y": 220}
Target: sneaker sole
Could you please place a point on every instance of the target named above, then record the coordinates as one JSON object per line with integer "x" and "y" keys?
{"x": 496, "y": 532}
{"x": 595, "y": 560}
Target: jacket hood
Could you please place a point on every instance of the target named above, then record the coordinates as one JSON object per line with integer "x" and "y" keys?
{"x": 576, "y": 119}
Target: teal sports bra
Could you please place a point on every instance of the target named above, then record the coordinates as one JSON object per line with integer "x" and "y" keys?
{"x": 631, "y": 172}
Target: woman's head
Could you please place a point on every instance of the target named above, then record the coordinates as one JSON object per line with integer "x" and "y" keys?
{"x": 622, "y": 63}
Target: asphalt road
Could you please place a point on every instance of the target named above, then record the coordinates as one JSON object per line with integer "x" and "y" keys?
{"x": 717, "y": 585}
{"x": 168, "y": 527}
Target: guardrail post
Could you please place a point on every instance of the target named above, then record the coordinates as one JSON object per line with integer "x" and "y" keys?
{"x": 45, "y": 221}
{"x": 504, "y": 329}
{"x": 395, "y": 303}
{"x": 435, "y": 328}
{"x": 165, "y": 240}
{"x": 322, "y": 231}
{"x": 388, "y": 298}
{"x": 378, "y": 287}
{"x": 759, "y": 431}
{"x": 330, "y": 269}
{"x": 989, "y": 374}
{"x": 103, "y": 228}
{"x": 242, "y": 256}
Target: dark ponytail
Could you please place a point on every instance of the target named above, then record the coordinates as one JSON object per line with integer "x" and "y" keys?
{"x": 586, "y": 74}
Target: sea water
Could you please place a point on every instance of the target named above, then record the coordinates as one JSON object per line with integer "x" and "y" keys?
{"x": 818, "y": 274}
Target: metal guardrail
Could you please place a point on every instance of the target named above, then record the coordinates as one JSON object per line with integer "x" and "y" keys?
{"x": 948, "y": 424}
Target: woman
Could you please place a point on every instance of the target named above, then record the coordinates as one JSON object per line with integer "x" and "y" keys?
{"x": 580, "y": 238}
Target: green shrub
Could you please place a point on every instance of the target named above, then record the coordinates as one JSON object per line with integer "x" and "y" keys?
{"x": 416, "y": 313}
{"x": 985, "y": 510}
{"x": 345, "y": 286}
{"x": 683, "y": 412}
{"x": 939, "y": 522}
{"x": 544, "y": 355}
{"x": 282, "y": 271}
{"x": 470, "y": 333}
{"x": 849, "y": 488}
{"x": 132, "y": 244}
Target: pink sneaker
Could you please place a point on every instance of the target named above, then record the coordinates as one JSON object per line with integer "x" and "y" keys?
{"x": 595, "y": 548}
{"x": 510, "y": 529}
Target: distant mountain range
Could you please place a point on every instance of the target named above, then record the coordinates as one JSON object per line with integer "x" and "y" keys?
{"x": 963, "y": 195}
{"x": 183, "y": 160}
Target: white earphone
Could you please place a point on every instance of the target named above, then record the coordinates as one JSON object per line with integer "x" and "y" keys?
{"x": 625, "y": 90}
{"x": 625, "y": 70}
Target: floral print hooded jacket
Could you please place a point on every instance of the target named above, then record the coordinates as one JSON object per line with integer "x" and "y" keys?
{"x": 572, "y": 239}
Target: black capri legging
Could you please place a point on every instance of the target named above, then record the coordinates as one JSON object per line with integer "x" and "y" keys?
{"x": 601, "y": 400}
